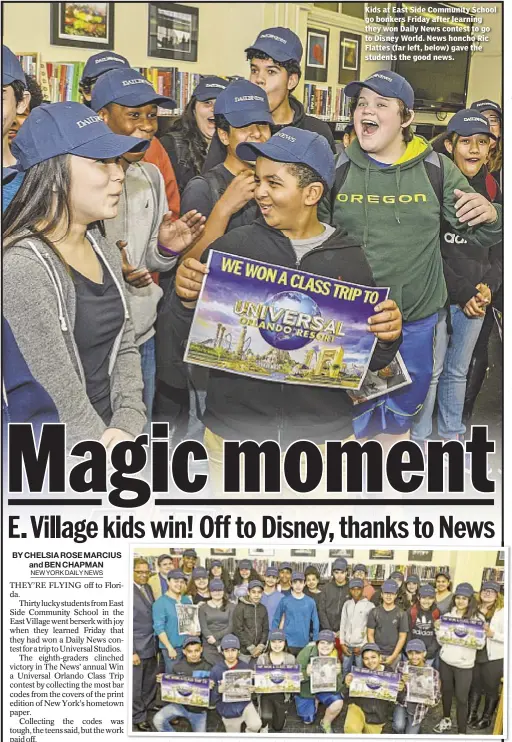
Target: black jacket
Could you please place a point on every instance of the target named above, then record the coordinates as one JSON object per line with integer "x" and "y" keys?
{"x": 330, "y": 605}
{"x": 376, "y": 710}
{"x": 217, "y": 151}
{"x": 198, "y": 669}
{"x": 466, "y": 265}
{"x": 241, "y": 408}
{"x": 250, "y": 624}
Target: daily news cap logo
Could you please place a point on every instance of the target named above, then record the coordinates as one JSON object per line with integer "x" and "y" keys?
{"x": 382, "y": 77}
{"x": 109, "y": 59}
{"x": 214, "y": 85}
{"x": 272, "y": 36}
{"x": 137, "y": 81}
{"x": 286, "y": 136}
{"x": 242, "y": 98}
{"x": 87, "y": 121}
{"x": 476, "y": 118}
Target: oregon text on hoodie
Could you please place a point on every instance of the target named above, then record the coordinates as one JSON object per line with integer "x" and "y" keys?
{"x": 395, "y": 214}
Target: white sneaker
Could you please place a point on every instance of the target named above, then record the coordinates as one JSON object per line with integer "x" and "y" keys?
{"x": 264, "y": 730}
{"x": 444, "y": 725}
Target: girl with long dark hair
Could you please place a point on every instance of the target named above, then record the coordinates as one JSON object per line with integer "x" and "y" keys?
{"x": 219, "y": 571}
{"x": 488, "y": 669}
{"x": 198, "y": 586}
{"x": 63, "y": 282}
{"x": 244, "y": 573}
{"x": 443, "y": 585}
{"x": 272, "y": 705}
{"x": 188, "y": 138}
{"x": 216, "y": 620}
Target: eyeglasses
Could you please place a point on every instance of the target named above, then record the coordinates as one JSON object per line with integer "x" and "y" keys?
{"x": 141, "y": 571}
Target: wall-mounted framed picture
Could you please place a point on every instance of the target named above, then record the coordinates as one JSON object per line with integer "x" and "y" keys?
{"x": 223, "y": 552}
{"x": 173, "y": 31}
{"x": 85, "y": 25}
{"x": 261, "y": 552}
{"x": 346, "y": 553}
{"x": 500, "y": 559}
{"x": 420, "y": 556}
{"x": 382, "y": 554}
{"x": 303, "y": 552}
{"x": 317, "y": 55}
{"x": 177, "y": 551}
{"x": 350, "y": 57}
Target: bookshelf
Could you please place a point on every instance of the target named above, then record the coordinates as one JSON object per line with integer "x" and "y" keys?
{"x": 496, "y": 574}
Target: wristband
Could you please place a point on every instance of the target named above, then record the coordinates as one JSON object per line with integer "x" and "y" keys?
{"x": 167, "y": 250}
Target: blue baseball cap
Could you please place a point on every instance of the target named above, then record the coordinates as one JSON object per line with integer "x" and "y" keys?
{"x": 230, "y": 641}
{"x": 371, "y": 647}
{"x": 198, "y": 572}
{"x": 487, "y": 105}
{"x": 209, "y": 87}
{"x": 355, "y": 582}
{"x": 278, "y": 43}
{"x": 69, "y": 128}
{"x": 271, "y": 572}
{"x": 298, "y": 576}
{"x": 360, "y": 568}
{"x": 390, "y": 586}
{"x": 244, "y": 564}
{"x": 412, "y": 578}
{"x": 295, "y": 146}
{"x": 192, "y": 553}
{"x": 126, "y": 87}
{"x": 11, "y": 68}
{"x": 339, "y": 563}
{"x": 176, "y": 574}
{"x": 491, "y": 585}
{"x": 216, "y": 584}
{"x": 277, "y": 636}
{"x": 397, "y": 575}
{"x": 255, "y": 583}
{"x": 243, "y": 103}
{"x": 465, "y": 589}
{"x": 285, "y": 565}
{"x": 427, "y": 591}
{"x": 386, "y": 83}
{"x": 191, "y": 640}
{"x": 326, "y": 635}
{"x": 468, "y": 122}
{"x": 216, "y": 563}
{"x": 103, "y": 62}
{"x": 416, "y": 645}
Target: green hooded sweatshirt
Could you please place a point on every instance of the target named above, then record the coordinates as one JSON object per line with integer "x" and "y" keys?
{"x": 395, "y": 214}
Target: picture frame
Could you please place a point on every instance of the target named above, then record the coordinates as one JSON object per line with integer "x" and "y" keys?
{"x": 222, "y": 552}
{"x": 317, "y": 55}
{"x": 420, "y": 556}
{"x": 346, "y": 553}
{"x": 381, "y": 554}
{"x": 500, "y": 559}
{"x": 173, "y": 31}
{"x": 350, "y": 57}
{"x": 261, "y": 552}
{"x": 72, "y": 25}
{"x": 303, "y": 552}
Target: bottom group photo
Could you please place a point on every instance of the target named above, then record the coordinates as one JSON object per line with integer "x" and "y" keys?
{"x": 316, "y": 640}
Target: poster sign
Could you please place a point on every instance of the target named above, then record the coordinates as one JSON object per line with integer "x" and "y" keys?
{"x": 237, "y": 685}
{"x": 186, "y": 690}
{"x": 374, "y": 684}
{"x": 280, "y": 324}
{"x": 463, "y": 632}
{"x": 323, "y": 674}
{"x": 272, "y": 679}
{"x": 420, "y": 685}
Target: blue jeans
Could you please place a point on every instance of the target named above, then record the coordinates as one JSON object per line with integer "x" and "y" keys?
{"x": 162, "y": 719}
{"x": 148, "y": 365}
{"x": 452, "y": 356}
{"x": 402, "y": 722}
{"x": 349, "y": 662}
{"x": 168, "y": 662}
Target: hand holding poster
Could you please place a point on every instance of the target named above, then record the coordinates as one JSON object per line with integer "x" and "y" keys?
{"x": 188, "y": 619}
{"x": 464, "y": 632}
{"x": 284, "y": 325}
{"x": 420, "y": 685}
{"x": 185, "y": 690}
{"x": 237, "y": 685}
{"x": 272, "y": 679}
{"x": 374, "y": 684}
{"x": 323, "y": 674}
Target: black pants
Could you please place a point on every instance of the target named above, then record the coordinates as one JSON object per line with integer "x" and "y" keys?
{"x": 144, "y": 688}
{"x": 455, "y": 681}
{"x": 486, "y": 678}
{"x": 272, "y": 711}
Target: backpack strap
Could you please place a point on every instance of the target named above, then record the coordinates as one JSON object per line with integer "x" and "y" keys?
{"x": 433, "y": 163}
{"x": 342, "y": 167}
{"x": 215, "y": 183}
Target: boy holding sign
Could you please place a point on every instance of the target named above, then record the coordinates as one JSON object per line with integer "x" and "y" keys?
{"x": 293, "y": 170}
{"x": 409, "y": 714}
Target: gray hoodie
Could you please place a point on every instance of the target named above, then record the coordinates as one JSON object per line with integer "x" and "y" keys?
{"x": 141, "y": 209}
{"x": 39, "y": 304}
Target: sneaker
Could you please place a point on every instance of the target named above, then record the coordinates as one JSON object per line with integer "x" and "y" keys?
{"x": 444, "y": 725}
{"x": 308, "y": 721}
{"x": 264, "y": 730}
{"x": 326, "y": 726}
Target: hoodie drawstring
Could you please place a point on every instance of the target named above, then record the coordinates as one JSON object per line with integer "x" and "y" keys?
{"x": 397, "y": 181}
{"x": 365, "y": 201}
{"x": 57, "y": 285}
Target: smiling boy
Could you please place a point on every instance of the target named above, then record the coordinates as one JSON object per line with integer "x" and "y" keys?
{"x": 388, "y": 203}
{"x": 292, "y": 171}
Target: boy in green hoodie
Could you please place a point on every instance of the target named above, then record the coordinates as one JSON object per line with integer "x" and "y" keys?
{"x": 388, "y": 201}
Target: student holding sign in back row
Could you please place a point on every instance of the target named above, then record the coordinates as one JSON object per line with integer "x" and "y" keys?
{"x": 293, "y": 170}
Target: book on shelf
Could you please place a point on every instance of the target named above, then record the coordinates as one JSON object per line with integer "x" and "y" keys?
{"x": 317, "y": 100}
{"x": 496, "y": 574}
{"x": 169, "y": 81}
{"x": 341, "y": 105}
{"x": 423, "y": 571}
